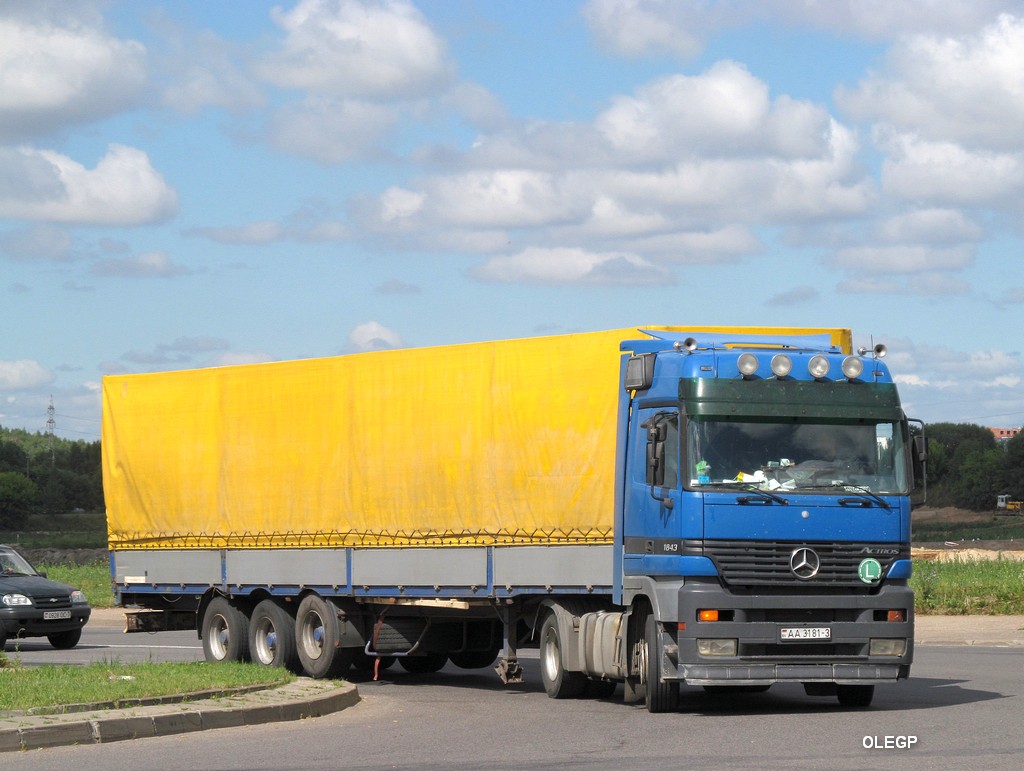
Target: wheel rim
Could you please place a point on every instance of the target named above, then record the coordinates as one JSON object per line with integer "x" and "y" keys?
{"x": 220, "y": 638}
{"x": 266, "y": 641}
{"x": 552, "y": 656}
{"x": 312, "y": 636}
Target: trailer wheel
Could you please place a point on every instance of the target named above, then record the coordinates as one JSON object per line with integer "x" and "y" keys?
{"x": 64, "y": 640}
{"x": 661, "y": 697}
{"x": 272, "y": 636}
{"x": 318, "y": 639}
{"x": 855, "y": 695}
{"x": 473, "y": 659}
{"x": 225, "y": 632}
{"x": 423, "y": 665}
{"x": 559, "y": 683}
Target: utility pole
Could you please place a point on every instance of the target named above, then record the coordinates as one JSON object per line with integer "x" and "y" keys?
{"x": 51, "y": 427}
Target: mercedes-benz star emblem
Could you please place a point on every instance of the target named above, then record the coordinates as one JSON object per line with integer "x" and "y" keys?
{"x": 805, "y": 563}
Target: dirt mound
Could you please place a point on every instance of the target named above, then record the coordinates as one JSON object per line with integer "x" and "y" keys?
{"x": 970, "y": 554}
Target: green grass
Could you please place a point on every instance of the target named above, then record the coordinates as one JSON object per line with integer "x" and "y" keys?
{"x": 997, "y": 528}
{"x": 93, "y": 579}
{"x": 41, "y": 687}
{"x": 977, "y": 587}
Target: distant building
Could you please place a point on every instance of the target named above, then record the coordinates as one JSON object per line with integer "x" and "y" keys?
{"x": 1004, "y": 434}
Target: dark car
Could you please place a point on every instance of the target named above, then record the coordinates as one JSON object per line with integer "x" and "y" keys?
{"x": 31, "y": 605}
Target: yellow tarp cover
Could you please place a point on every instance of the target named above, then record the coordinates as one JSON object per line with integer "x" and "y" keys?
{"x": 509, "y": 442}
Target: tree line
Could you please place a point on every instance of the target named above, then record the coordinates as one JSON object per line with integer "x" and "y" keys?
{"x": 968, "y": 467}
{"x": 41, "y": 473}
{"x": 45, "y": 474}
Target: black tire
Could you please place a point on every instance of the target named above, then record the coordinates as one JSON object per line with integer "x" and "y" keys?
{"x": 64, "y": 640}
{"x": 473, "y": 659}
{"x": 225, "y": 630}
{"x": 661, "y": 697}
{"x": 559, "y": 683}
{"x": 318, "y": 639}
{"x": 272, "y": 636}
{"x": 855, "y": 695}
{"x": 423, "y": 665}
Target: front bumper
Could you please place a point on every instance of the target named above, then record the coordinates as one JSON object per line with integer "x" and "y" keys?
{"x": 763, "y": 657}
{"x": 27, "y": 621}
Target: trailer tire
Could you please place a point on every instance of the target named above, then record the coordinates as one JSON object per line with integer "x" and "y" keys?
{"x": 423, "y": 665}
{"x": 225, "y": 631}
{"x": 64, "y": 640}
{"x": 855, "y": 695}
{"x": 559, "y": 683}
{"x": 661, "y": 697}
{"x": 272, "y": 636}
{"x": 473, "y": 659}
{"x": 318, "y": 639}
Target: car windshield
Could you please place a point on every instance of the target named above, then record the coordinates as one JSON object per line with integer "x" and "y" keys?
{"x": 866, "y": 456}
{"x": 12, "y": 563}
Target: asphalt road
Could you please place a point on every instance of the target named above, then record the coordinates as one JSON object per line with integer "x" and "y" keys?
{"x": 962, "y": 708}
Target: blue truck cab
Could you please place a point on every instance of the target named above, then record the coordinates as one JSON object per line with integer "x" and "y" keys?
{"x": 763, "y": 533}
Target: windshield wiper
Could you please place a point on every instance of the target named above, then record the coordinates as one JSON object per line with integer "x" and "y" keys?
{"x": 863, "y": 492}
{"x": 758, "y": 493}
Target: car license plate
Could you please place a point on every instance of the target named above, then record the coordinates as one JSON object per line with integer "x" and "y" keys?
{"x": 56, "y": 615}
{"x": 805, "y": 633}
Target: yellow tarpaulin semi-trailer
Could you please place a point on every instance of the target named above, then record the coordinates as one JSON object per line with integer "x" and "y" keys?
{"x": 509, "y": 442}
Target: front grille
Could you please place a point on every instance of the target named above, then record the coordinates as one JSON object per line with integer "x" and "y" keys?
{"x": 53, "y": 602}
{"x": 767, "y": 563}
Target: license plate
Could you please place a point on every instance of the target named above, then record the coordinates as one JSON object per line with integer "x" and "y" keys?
{"x": 56, "y": 615}
{"x": 805, "y": 633}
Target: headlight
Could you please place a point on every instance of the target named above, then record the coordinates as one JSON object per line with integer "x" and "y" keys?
{"x": 747, "y": 364}
{"x": 817, "y": 367}
{"x": 782, "y": 365}
{"x": 78, "y": 597}
{"x": 16, "y": 599}
{"x": 853, "y": 366}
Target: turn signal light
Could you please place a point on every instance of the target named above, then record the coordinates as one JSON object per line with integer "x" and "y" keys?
{"x": 707, "y": 615}
{"x": 895, "y": 615}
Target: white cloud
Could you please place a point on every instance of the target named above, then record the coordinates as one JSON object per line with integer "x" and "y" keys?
{"x": 635, "y": 28}
{"x": 59, "y": 67}
{"x": 946, "y": 173}
{"x": 966, "y": 89}
{"x": 352, "y": 48}
{"x": 373, "y": 335}
{"x": 570, "y": 266}
{"x": 902, "y": 258}
{"x": 205, "y": 72}
{"x": 157, "y": 264}
{"x": 123, "y": 188}
{"x": 23, "y": 374}
{"x": 330, "y": 130}
{"x": 39, "y": 242}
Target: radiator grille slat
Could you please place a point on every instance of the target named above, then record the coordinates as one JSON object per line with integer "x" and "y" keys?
{"x": 767, "y": 563}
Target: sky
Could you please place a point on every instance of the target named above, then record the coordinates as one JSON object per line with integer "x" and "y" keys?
{"x": 193, "y": 183}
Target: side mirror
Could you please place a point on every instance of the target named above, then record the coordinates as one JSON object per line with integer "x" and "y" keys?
{"x": 919, "y": 465}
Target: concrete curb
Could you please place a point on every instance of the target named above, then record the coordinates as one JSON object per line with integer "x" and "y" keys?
{"x": 303, "y": 698}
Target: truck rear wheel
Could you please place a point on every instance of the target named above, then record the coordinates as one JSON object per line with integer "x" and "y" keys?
{"x": 319, "y": 640}
{"x": 225, "y": 631}
{"x": 661, "y": 697}
{"x": 559, "y": 683}
{"x": 272, "y": 636}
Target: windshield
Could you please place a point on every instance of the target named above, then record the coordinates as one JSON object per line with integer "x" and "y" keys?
{"x": 12, "y": 563}
{"x": 796, "y": 455}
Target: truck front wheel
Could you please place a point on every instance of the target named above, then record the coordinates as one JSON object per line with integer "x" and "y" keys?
{"x": 661, "y": 696}
{"x": 558, "y": 682}
{"x": 225, "y": 632}
{"x": 319, "y": 640}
